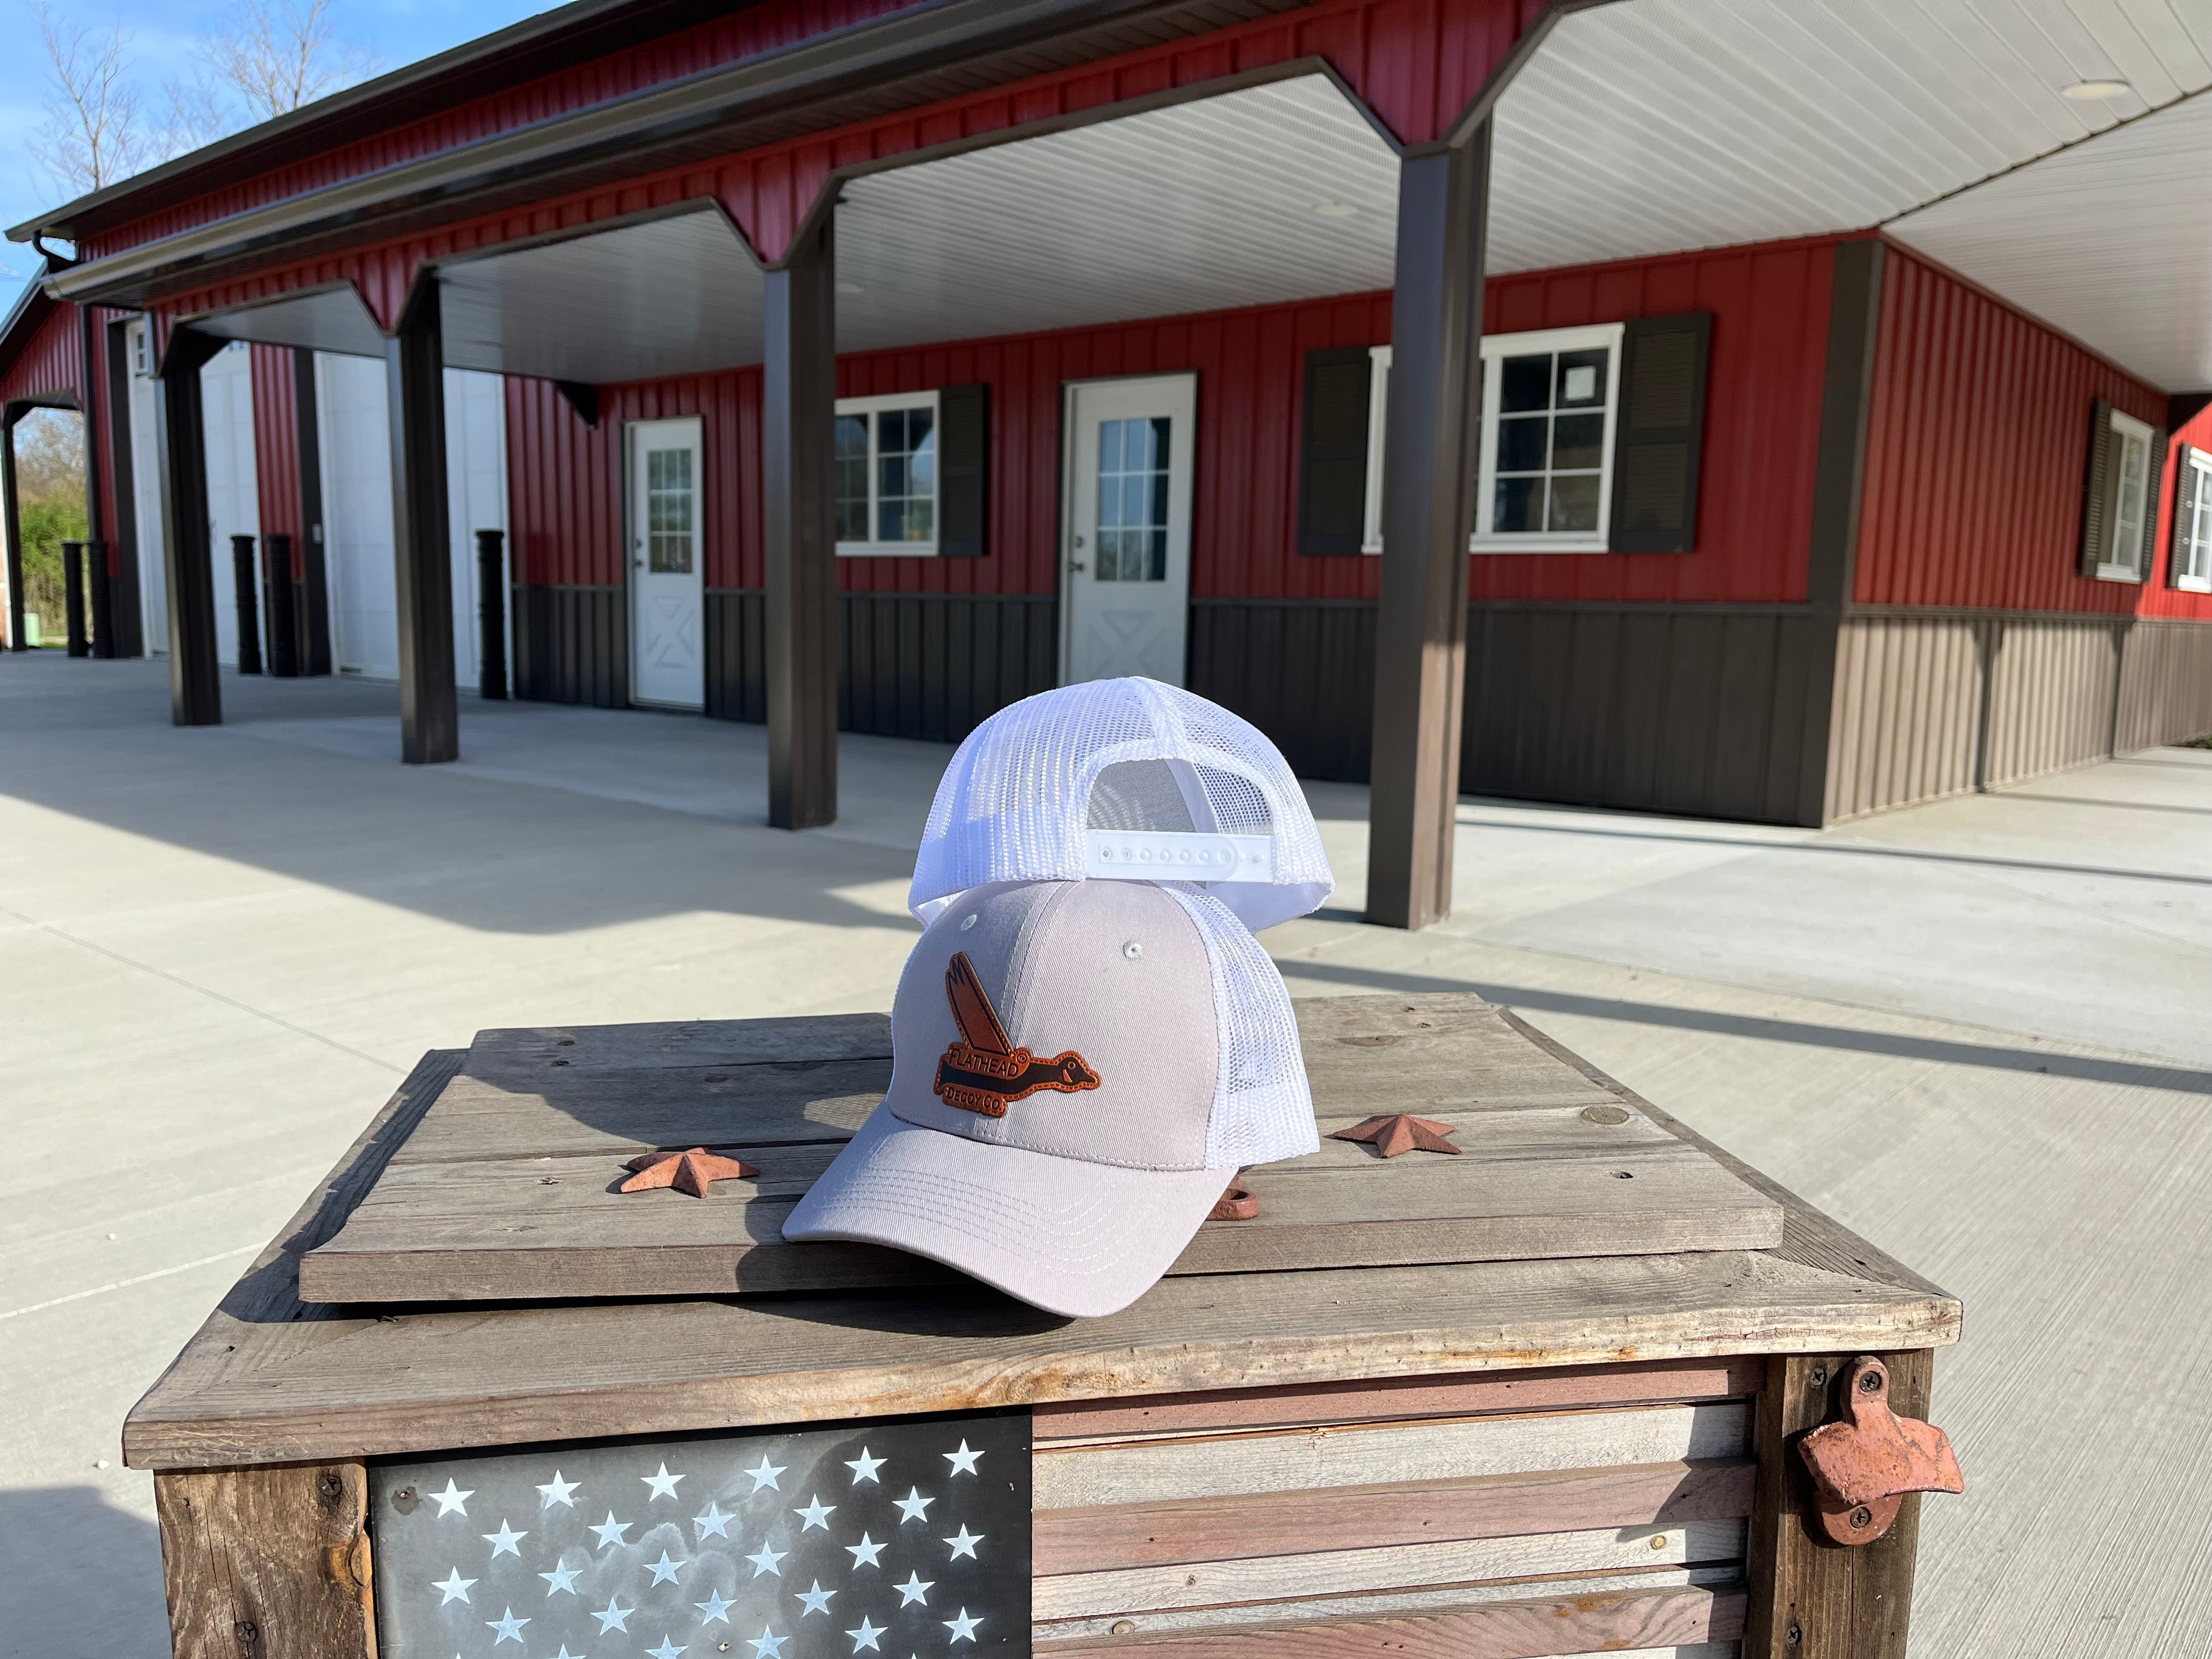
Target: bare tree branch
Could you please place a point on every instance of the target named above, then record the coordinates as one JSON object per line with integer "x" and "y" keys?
{"x": 92, "y": 134}
{"x": 279, "y": 54}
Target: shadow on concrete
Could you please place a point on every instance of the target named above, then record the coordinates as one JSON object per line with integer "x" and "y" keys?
{"x": 531, "y": 844}
{"x": 2176, "y": 1078}
{"x": 1840, "y": 848}
{"x": 80, "y": 1577}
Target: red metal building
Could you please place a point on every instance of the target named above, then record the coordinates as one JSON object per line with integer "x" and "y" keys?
{"x": 1825, "y": 436}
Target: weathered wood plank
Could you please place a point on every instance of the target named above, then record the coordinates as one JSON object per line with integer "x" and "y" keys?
{"x": 1393, "y": 1604}
{"x": 494, "y": 1231}
{"x": 1497, "y": 1630}
{"x": 267, "y": 1563}
{"x": 1812, "y": 1598}
{"x": 1283, "y": 1460}
{"x": 1240, "y": 1525}
{"x": 1209, "y": 1583}
{"x": 285, "y": 1391}
{"x": 1651, "y": 1383}
{"x": 474, "y": 1210}
{"x": 687, "y": 1042}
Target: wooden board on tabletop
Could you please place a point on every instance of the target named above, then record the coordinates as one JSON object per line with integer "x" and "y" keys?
{"x": 506, "y": 1190}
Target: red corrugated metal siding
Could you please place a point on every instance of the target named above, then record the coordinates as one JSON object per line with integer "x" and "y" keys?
{"x": 1769, "y": 339}
{"x": 1770, "y": 306}
{"x": 52, "y": 362}
{"x": 1975, "y": 450}
{"x": 1415, "y": 65}
{"x": 277, "y": 445}
{"x": 2157, "y": 598}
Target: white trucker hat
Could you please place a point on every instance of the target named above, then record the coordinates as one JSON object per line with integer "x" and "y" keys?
{"x": 1078, "y": 1070}
{"x": 1128, "y": 779}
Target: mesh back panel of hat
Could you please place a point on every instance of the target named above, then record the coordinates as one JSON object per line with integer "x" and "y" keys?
{"x": 1262, "y": 1106}
{"x": 1017, "y": 801}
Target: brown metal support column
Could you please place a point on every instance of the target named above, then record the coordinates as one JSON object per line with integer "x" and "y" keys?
{"x": 126, "y": 606}
{"x": 414, "y": 362}
{"x": 1420, "y": 645}
{"x": 314, "y": 599}
{"x": 180, "y": 441}
{"x": 1838, "y": 487}
{"x": 14, "y": 528}
{"x": 796, "y": 508}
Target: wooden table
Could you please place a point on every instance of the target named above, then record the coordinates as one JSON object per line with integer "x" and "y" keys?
{"x": 1583, "y": 1451}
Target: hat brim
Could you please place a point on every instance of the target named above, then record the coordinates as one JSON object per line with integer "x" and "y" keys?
{"x": 1062, "y": 1235}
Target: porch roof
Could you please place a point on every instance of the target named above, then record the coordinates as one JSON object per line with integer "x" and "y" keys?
{"x": 1637, "y": 128}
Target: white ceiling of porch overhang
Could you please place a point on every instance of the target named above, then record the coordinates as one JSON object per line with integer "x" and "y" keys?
{"x": 323, "y": 320}
{"x": 1652, "y": 126}
{"x": 1199, "y": 206}
{"x": 2121, "y": 252}
{"x": 676, "y": 295}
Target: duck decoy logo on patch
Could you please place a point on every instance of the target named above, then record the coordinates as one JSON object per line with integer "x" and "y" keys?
{"x": 985, "y": 1072}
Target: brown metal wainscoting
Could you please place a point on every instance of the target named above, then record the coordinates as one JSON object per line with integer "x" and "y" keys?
{"x": 571, "y": 644}
{"x": 1303, "y": 671}
{"x": 1931, "y": 703}
{"x": 927, "y": 665}
{"x": 2165, "y": 684}
{"x": 1711, "y": 710}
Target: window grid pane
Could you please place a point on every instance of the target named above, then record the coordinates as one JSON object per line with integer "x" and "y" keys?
{"x": 668, "y": 519}
{"x": 1548, "y": 454}
{"x": 1132, "y": 500}
{"x": 2198, "y": 554}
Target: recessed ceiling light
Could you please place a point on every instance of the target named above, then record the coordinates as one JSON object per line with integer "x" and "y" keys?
{"x": 2086, "y": 90}
{"x": 1334, "y": 209}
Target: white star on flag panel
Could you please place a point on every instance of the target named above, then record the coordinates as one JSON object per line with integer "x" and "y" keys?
{"x": 913, "y": 1536}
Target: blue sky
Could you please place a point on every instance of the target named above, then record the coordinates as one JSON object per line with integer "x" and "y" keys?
{"x": 164, "y": 35}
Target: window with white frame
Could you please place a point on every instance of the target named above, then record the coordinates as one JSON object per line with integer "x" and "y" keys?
{"x": 2192, "y": 524}
{"x": 886, "y": 464}
{"x": 2129, "y": 462}
{"x": 1549, "y": 401}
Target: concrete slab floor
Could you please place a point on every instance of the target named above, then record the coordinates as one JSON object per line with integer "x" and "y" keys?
{"x": 1976, "y": 1031}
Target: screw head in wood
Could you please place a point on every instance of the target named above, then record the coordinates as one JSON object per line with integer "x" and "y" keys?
{"x": 1862, "y": 1519}
{"x": 1604, "y": 1114}
{"x": 1124, "y": 1627}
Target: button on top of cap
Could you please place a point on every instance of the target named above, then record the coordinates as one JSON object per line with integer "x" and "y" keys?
{"x": 1132, "y": 950}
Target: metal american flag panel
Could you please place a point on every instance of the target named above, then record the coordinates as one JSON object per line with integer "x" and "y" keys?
{"x": 906, "y": 1539}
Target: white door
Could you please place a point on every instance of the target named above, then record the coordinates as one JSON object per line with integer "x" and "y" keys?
{"x": 146, "y": 497}
{"x": 234, "y": 497}
{"x": 1125, "y": 561}
{"x": 354, "y": 431}
{"x": 475, "y": 496}
{"x": 667, "y": 581}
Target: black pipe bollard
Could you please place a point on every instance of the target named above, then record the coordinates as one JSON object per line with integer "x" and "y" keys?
{"x": 73, "y": 597}
{"x": 249, "y": 614}
{"x": 491, "y": 614}
{"x": 100, "y": 587}
{"x": 277, "y": 599}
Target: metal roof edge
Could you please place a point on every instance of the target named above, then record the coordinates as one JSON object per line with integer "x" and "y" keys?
{"x": 229, "y": 160}
{"x": 806, "y": 76}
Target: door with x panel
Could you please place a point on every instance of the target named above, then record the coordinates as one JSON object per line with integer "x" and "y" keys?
{"x": 1126, "y": 553}
{"x": 667, "y": 559}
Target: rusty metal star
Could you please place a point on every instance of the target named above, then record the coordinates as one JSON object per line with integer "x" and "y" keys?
{"x": 1400, "y": 1132}
{"x": 688, "y": 1172}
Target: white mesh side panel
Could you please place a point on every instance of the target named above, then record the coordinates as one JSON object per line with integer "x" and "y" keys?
{"x": 1015, "y": 803}
{"x": 1262, "y": 1106}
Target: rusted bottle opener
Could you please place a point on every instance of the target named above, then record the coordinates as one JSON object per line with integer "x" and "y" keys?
{"x": 1864, "y": 1466}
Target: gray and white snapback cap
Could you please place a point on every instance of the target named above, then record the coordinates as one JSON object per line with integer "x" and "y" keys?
{"x": 1078, "y": 1070}
{"x": 1129, "y": 779}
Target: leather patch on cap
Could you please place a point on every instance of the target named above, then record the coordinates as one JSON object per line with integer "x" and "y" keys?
{"x": 984, "y": 1072}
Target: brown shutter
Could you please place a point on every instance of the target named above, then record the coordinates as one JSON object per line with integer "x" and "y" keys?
{"x": 2097, "y": 489}
{"x": 1659, "y": 435}
{"x": 964, "y": 471}
{"x": 2185, "y": 478}
{"x": 1333, "y": 458}
{"x": 2148, "y": 555}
